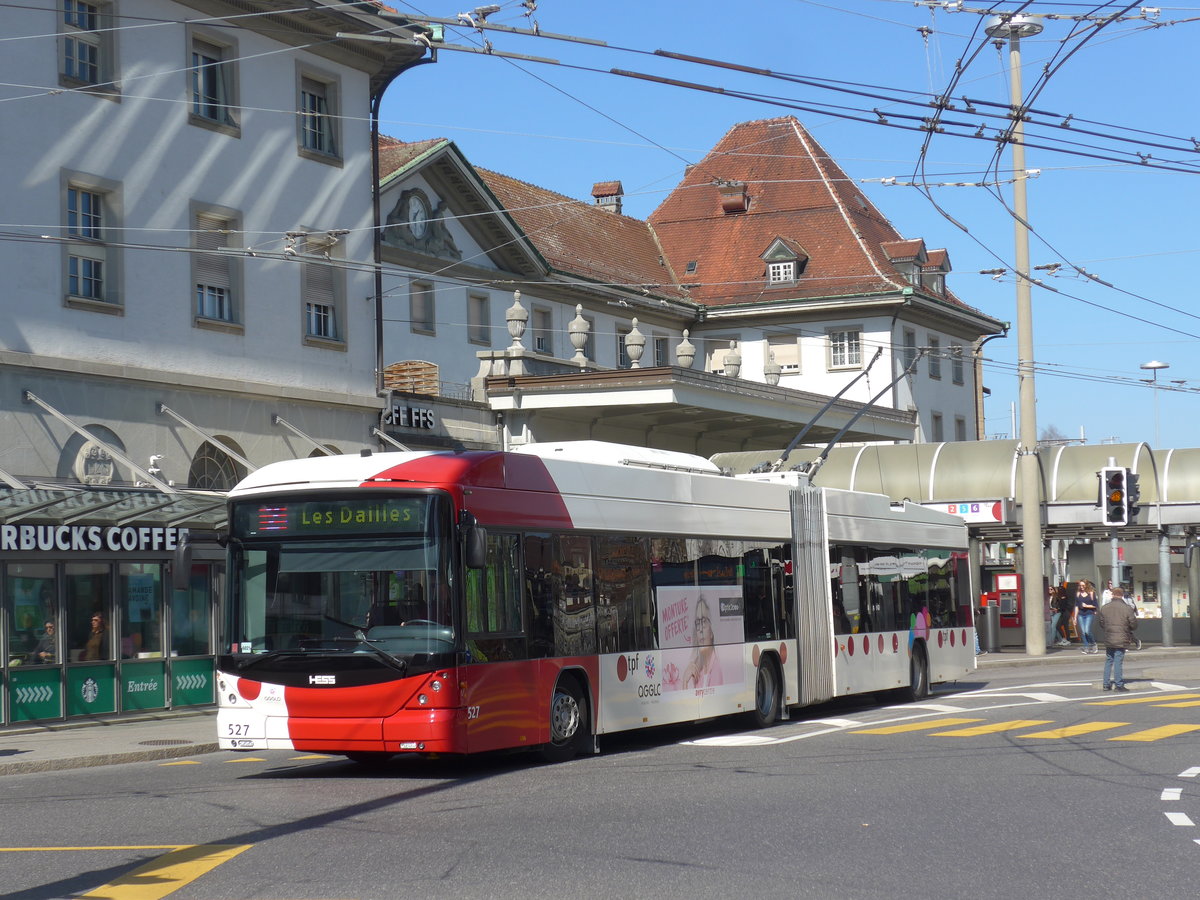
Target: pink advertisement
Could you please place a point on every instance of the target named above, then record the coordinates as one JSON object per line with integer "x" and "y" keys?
{"x": 700, "y": 635}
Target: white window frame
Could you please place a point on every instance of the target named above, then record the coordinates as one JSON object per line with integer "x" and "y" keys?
{"x": 937, "y": 428}
{"x": 422, "y": 307}
{"x": 935, "y": 357}
{"x": 86, "y": 46}
{"x": 541, "y": 320}
{"x": 787, "y": 353}
{"x": 91, "y": 213}
{"x": 844, "y": 347}
{"x": 216, "y": 276}
{"x": 318, "y": 115}
{"x": 212, "y": 80}
{"x": 323, "y": 289}
{"x": 783, "y": 272}
{"x": 662, "y": 349}
{"x": 910, "y": 348}
{"x": 479, "y": 318}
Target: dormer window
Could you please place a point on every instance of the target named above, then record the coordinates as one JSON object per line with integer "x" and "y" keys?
{"x": 781, "y": 272}
{"x": 785, "y": 262}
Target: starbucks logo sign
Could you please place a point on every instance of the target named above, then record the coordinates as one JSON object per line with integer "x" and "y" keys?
{"x": 90, "y": 691}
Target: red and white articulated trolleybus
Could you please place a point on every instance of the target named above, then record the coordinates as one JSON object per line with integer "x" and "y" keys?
{"x": 462, "y": 602}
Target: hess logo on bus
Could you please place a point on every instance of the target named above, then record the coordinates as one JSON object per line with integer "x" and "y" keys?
{"x": 322, "y": 679}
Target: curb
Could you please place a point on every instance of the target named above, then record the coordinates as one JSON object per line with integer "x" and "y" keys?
{"x": 104, "y": 759}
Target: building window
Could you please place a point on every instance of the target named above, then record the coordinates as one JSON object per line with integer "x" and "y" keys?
{"x": 323, "y": 291}
{"x": 478, "y": 318}
{"x": 543, "y": 334}
{"x": 781, "y": 272}
{"x": 960, "y": 428}
{"x": 91, "y": 262}
{"x": 213, "y": 83}
{"x": 956, "y": 363}
{"x": 623, "y": 360}
{"x": 935, "y": 357}
{"x": 662, "y": 351}
{"x": 845, "y": 349}
{"x": 318, "y": 117}
{"x": 589, "y": 348}
{"x": 910, "y": 349}
{"x": 85, "y": 44}
{"x": 421, "y": 312}
{"x": 938, "y": 431}
{"x": 213, "y": 272}
{"x": 786, "y": 350}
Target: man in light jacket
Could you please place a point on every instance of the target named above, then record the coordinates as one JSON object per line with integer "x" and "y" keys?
{"x": 1118, "y": 623}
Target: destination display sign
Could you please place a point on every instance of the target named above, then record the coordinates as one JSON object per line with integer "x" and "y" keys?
{"x": 375, "y": 515}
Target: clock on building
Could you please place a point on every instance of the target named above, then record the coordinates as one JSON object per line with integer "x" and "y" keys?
{"x": 416, "y": 215}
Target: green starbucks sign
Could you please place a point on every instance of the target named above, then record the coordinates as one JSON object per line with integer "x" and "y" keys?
{"x": 91, "y": 690}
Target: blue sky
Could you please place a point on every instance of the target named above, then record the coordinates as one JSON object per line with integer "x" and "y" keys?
{"x": 1125, "y": 222}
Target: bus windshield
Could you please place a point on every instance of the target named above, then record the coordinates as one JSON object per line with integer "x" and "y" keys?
{"x": 343, "y": 575}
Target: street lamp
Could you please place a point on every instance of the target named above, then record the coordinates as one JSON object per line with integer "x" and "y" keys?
{"x": 1013, "y": 28}
{"x": 1154, "y": 365}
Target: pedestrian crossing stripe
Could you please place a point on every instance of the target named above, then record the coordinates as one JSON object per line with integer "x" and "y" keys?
{"x": 993, "y": 728}
{"x": 1156, "y": 734}
{"x": 917, "y": 726}
{"x": 1153, "y": 698}
{"x": 1074, "y": 730}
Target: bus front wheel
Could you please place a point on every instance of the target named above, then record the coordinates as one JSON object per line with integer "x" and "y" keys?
{"x": 568, "y": 721}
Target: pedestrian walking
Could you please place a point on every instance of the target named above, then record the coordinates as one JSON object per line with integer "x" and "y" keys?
{"x": 1060, "y": 613}
{"x": 1085, "y": 611}
{"x": 1118, "y": 623}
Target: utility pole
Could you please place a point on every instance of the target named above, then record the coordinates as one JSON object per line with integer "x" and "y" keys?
{"x": 1032, "y": 563}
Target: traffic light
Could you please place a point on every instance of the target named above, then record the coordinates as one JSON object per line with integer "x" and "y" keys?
{"x": 1132, "y": 494}
{"x": 1114, "y": 498}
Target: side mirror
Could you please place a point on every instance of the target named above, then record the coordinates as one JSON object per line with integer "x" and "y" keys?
{"x": 181, "y": 566}
{"x": 475, "y": 548}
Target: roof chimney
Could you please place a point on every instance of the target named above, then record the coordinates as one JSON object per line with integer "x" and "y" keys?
{"x": 607, "y": 195}
{"x": 733, "y": 196}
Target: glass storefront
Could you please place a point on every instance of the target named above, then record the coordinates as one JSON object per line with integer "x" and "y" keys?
{"x": 99, "y": 637}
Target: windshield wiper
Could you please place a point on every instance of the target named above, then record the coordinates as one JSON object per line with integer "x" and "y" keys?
{"x": 394, "y": 662}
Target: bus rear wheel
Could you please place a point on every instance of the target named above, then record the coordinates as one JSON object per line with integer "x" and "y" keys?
{"x": 568, "y": 721}
{"x": 768, "y": 688}
{"x": 918, "y": 676}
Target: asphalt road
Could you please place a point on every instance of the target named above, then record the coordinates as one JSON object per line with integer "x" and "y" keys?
{"x": 1006, "y": 787}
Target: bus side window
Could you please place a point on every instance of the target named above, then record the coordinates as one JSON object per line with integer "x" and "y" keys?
{"x": 493, "y": 603}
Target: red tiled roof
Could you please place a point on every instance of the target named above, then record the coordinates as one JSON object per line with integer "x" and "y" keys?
{"x": 395, "y": 155}
{"x": 581, "y": 239}
{"x": 796, "y": 192}
{"x": 903, "y": 250}
{"x": 607, "y": 189}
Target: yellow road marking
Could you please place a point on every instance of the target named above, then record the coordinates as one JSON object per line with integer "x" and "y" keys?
{"x": 1157, "y": 698}
{"x": 182, "y": 762}
{"x": 993, "y": 728}
{"x": 242, "y": 759}
{"x": 1184, "y": 703}
{"x": 167, "y": 873}
{"x": 313, "y": 756}
{"x": 1157, "y": 734}
{"x": 1073, "y": 730}
{"x": 917, "y": 726}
